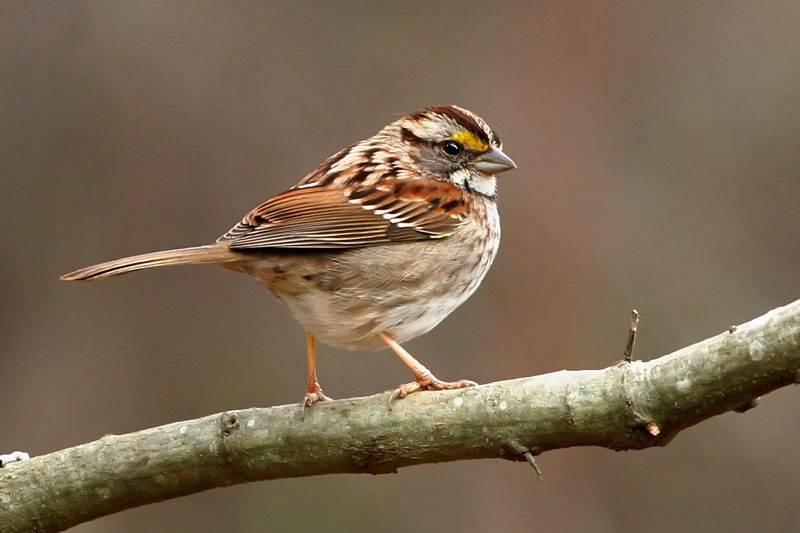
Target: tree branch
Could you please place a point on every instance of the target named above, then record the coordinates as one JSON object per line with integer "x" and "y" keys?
{"x": 629, "y": 405}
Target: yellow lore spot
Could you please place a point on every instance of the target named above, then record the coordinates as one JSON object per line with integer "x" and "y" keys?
{"x": 471, "y": 141}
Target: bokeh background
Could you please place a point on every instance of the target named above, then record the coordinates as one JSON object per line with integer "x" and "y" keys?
{"x": 658, "y": 146}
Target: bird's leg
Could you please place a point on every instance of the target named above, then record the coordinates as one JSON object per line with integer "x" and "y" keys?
{"x": 423, "y": 378}
{"x": 314, "y": 391}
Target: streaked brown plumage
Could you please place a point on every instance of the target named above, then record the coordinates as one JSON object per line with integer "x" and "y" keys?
{"x": 374, "y": 247}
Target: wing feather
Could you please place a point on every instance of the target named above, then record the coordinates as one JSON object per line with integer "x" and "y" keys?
{"x": 338, "y": 218}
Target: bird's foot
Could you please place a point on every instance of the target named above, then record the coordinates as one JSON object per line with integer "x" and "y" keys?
{"x": 427, "y": 381}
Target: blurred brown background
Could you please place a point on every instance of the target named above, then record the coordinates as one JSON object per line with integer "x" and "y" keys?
{"x": 657, "y": 145}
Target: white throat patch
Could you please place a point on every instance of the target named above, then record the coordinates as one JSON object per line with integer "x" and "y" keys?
{"x": 483, "y": 184}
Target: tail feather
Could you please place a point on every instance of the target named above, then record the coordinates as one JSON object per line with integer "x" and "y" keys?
{"x": 213, "y": 253}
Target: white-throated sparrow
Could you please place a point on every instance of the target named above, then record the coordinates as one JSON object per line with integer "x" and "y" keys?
{"x": 377, "y": 245}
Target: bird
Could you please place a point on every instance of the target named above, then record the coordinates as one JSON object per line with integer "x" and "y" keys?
{"x": 374, "y": 247}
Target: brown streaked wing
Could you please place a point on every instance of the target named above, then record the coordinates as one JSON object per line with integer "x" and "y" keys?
{"x": 323, "y": 218}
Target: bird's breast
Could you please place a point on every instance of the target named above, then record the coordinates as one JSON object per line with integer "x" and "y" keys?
{"x": 347, "y": 297}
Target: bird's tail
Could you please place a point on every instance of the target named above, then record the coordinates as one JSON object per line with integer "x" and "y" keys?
{"x": 213, "y": 253}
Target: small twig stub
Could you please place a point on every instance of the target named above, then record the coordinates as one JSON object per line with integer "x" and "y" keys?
{"x": 532, "y": 461}
{"x": 634, "y": 327}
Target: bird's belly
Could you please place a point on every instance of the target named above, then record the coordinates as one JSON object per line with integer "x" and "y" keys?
{"x": 347, "y": 298}
{"x": 355, "y": 324}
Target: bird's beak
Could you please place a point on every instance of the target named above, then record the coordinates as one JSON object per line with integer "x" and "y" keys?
{"x": 494, "y": 162}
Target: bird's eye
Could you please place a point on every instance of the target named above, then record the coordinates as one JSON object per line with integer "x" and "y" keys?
{"x": 451, "y": 148}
